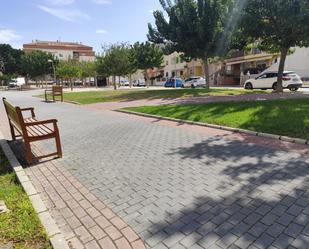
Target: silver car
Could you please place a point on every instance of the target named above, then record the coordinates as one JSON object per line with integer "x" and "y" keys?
{"x": 194, "y": 82}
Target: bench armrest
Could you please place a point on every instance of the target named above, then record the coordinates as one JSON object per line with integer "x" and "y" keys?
{"x": 50, "y": 121}
{"x": 31, "y": 109}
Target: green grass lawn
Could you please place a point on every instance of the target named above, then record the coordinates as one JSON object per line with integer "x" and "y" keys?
{"x": 281, "y": 117}
{"x": 129, "y": 95}
{"x": 21, "y": 225}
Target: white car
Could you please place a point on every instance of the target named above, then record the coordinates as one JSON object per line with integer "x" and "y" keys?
{"x": 268, "y": 80}
{"x": 194, "y": 81}
{"x": 124, "y": 83}
{"x": 139, "y": 82}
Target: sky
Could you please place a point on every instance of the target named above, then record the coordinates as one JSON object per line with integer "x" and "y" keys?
{"x": 91, "y": 22}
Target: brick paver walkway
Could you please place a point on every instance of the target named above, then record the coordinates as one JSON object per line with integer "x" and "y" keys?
{"x": 180, "y": 186}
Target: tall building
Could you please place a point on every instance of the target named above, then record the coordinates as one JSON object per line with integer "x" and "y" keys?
{"x": 62, "y": 50}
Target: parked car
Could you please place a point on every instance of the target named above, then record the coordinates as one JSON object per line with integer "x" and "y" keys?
{"x": 139, "y": 82}
{"x": 124, "y": 83}
{"x": 17, "y": 82}
{"x": 195, "y": 81}
{"x": 268, "y": 80}
{"x": 174, "y": 82}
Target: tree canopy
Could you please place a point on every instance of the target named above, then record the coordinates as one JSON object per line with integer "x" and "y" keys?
{"x": 278, "y": 25}
{"x": 36, "y": 64}
{"x": 11, "y": 59}
{"x": 147, "y": 55}
{"x": 195, "y": 28}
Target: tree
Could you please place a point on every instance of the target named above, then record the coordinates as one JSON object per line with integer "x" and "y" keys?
{"x": 88, "y": 69}
{"x": 146, "y": 56}
{"x": 11, "y": 59}
{"x": 115, "y": 61}
{"x": 278, "y": 25}
{"x": 195, "y": 28}
{"x": 36, "y": 65}
{"x": 69, "y": 70}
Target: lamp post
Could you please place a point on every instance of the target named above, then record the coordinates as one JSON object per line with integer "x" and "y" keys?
{"x": 52, "y": 62}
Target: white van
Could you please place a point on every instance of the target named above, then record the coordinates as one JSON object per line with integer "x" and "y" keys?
{"x": 17, "y": 82}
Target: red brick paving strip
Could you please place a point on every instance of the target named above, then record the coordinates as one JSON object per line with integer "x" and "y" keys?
{"x": 83, "y": 219}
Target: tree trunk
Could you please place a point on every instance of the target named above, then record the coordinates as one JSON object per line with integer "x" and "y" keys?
{"x": 206, "y": 71}
{"x": 284, "y": 52}
{"x": 146, "y": 79}
{"x": 71, "y": 83}
{"x": 119, "y": 82}
{"x": 96, "y": 81}
{"x": 130, "y": 80}
{"x": 114, "y": 82}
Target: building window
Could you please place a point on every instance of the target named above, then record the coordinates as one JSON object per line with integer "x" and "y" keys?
{"x": 60, "y": 55}
{"x": 181, "y": 73}
{"x": 166, "y": 63}
{"x": 166, "y": 74}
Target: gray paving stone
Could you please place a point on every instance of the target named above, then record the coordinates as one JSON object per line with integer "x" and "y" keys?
{"x": 245, "y": 240}
{"x": 275, "y": 230}
{"x": 264, "y": 241}
{"x": 283, "y": 241}
{"x": 294, "y": 230}
{"x": 257, "y": 229}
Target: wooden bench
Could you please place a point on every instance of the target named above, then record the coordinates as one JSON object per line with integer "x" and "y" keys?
{"x": 54, "y": 92}
{"x": 31, "y": 129}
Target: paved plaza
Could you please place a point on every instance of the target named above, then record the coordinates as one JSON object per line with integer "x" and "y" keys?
{"x": 178, "y": 186}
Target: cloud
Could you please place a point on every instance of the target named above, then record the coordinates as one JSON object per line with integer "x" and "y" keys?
{"x": 101, "y": 31}
{"x": 70, "y": 15}
{"x": 61, "y": 2}
{"x": 102, "y": 1}
{"x": 9, "y": 36}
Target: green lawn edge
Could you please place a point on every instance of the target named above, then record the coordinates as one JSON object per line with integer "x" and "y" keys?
{"x": 21, "y": 225}
{"x": 284, "y": 117}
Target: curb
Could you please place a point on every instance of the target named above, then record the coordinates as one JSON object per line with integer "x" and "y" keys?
{"x": 56, "y": 238}
{"x": 236, "y": 130}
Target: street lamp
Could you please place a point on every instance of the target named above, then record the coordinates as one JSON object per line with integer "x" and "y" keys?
{"x": 52, "y": 62}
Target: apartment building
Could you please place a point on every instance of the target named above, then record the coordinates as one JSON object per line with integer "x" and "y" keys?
{"x": 174, "y": 66}
{"x": 62, "y": 50}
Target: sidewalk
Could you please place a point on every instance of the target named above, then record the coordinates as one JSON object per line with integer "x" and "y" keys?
{"x": 176, "y": 185}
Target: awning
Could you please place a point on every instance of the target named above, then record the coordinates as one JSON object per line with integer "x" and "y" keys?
{"x": 244, "y": 60}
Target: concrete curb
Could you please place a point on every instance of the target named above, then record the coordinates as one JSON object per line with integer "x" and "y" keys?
{"x": 236, "y": 130}
{"x": 55, "y": 236}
